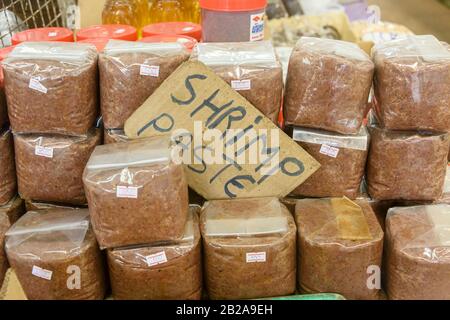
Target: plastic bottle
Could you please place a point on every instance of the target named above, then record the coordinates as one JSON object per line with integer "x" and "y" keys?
{"x": 174, "y": 10}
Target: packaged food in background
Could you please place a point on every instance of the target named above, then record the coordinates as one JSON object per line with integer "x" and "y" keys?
{"x": 249, "y": 249}
{"x": 137, "y": 193}
{"x": 9, "y": 214}
{"x": 340, "y": 246}
{"x": 8, "y": 185}
{"x": 4, "y": 52}
{"x": 275, "y": 9}
{"x": 56, "y": 257}
{"x": 417, "y": 245}
{"x": 51, "y": 87}
{"x": 407, "y": 165}
{"x": 251, "y": 68}
{"x": 129, "y": 74}
{"x": 233, "y": 21}
{"x": 160, "y": 271}
{"x": 186, "y": 41}
{"x": 114, "y": 136}
{"x": 328, "y": 85}
{"x": 342, "y": 158}
{"x": 412, "y": 84}
{"x": 50, "y": 167}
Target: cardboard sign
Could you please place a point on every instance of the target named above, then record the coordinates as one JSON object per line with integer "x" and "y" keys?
{"x": 195, "y": 100}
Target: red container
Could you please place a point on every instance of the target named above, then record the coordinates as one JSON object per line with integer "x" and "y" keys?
{"x": 110, "y": 31}
{"x": 43, "y": 34}
{"x": 99, "y": 43}
{"x": 188, "y": 42}
{"x": 189, "y": 29}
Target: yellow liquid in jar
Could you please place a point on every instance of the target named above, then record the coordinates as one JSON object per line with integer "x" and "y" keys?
{"x": 131, "y": 12}
{"x": 174, "y": 10}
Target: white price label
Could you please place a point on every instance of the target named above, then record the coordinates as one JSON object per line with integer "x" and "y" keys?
{"x": 43, "y": 152}
{"x": 156, "y": 259}
{"x": 329, "y": 151}
{"x": 257, "y": 27}
{"x": 241, "y": 85}
{"x": 127, "y": 192}
{"x": 36, "y": 85}
{"x": 42, "y": 273}
{"x": 150, "y": 71}
{"x": 254, "y": 257}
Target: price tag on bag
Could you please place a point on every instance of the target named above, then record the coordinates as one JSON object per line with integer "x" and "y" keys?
{"x": 256, "y": 257}
{"x": 43, "y": 152}
{"x": 329, "y": 151}
{"x": 149, "y": 71}
{"x": 42, "y": 273}
{"x": 36, "y": 85}
{"x": 156, "y": 259}
{"x": 241, "y": 85}
{"x": 127, "y": 192}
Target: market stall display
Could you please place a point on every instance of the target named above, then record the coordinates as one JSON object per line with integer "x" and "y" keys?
{"x": 46, "y": 248}
{"x": 248, "y": 239}
{"x": 137, "y": 194}
{"x": 160, "y": 271}
{"x": 186, "y": 41}
{"x": 412, "y": 84}
{"x": 328, "y": 85}
{"x": 50, "y": 167}
{"x": 51, "y": 87}
{"x": 252, "y": 69}
{"x": 407, "y": 165}
{"x": 417, "y": 264}
{"x": 342, "y": 158}
{"x": 233, "y": 21}
{"x": 189, "y": 29}
{"x": 130, "y": 72}
{"x": 8, "y": 183}
{"x": 339, "y": 240}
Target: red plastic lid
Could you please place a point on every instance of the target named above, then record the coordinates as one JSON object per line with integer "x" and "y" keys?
{"x": 109, "y": 31}
{"x": 5, "y": 51}
{"x": 233, "y": 5}
{"x": 170, "y": 28}
{"x": 100, "y": 43}
{"x": 43, "y": 34}
{"x": 188, "y": 42}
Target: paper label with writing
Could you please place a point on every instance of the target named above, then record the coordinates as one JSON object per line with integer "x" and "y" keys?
{"x": 42, "y": 273}
{"x": 127, "y": 192}
{"x": 257, "y": 27}
{"x": 37, "y": 86}
{"x": 43, "y": 152}
{"x": 329, "y": 151}
{"x": 256, "y": 257}
{"x": 149, "y": 71}
{"x": 241, "y": 85}
{"x": 156, "y": 259}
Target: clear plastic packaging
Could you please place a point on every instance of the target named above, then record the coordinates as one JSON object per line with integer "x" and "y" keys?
{"x": 129, "y": 74}
{"x": 36, "y": 206}
{"x": 407, "y": 165}
{"x": 161, "y": 271}
{"x": 50, "y": 167}
{"x": 115, "y": 136}
{"x": 339, "y": 240}
{"x": 9, "y": 214}
{"x": 56, "y": 257}
{"x": 446, "y": 197}
{"x": 140, "y": 179}
{"x": 417, "y": 260}
{"x": 328, "y": 85}
{"x": 51, "y": 87}
{"x": 412, "y": 84}
{"x": 8, "y": 183}
{"x": 342, "y": 158}
{"x": 249, "y": 249}
{"x": 251, "y": 68}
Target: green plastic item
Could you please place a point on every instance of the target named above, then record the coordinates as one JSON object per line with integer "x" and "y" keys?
{"x": 310, "y": 297}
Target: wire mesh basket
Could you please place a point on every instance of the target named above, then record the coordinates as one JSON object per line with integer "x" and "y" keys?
{"x": 19, "y": 15}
